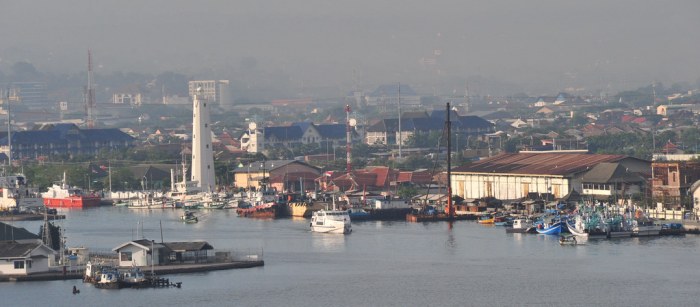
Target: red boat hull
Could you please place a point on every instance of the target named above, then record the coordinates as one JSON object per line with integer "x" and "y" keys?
{"x": 73, "y": 202}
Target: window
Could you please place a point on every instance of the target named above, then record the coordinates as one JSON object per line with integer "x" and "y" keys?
{"x": 125, "y": 256}
{"x": 19, "y": 264}
{"x": 29, "y": 264}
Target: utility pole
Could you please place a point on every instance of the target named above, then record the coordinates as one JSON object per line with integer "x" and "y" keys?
{"x": 348, "y": 139}
{"x": 90, "y": 96}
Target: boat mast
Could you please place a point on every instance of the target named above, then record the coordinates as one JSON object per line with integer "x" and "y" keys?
{"x": 448, "y": 124}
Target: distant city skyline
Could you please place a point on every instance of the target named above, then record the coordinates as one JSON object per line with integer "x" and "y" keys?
{"x": 511, "y": 46}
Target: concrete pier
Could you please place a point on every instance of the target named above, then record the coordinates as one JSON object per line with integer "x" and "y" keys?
{"x": 158, "y": 270}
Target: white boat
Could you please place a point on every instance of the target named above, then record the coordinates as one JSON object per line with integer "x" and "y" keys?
{"x": 151, "y": 202}
{"x": 108, "y": 279}
{"x": 331, "y": 221}
{"x": 641, "y": 229}
{"x": 521, "y": 226}
{"x": 15, "y": 193}
{"x": 133, "y": 277}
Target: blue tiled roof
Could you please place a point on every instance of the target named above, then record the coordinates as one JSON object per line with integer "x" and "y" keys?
{"x": 66, "y": 133}
{"x": 303, "y": 125}
{"x": 473, "y": 122}
{"x": 428, "y": 124}
{"x": 284, "y": 133}
{"x": 331, "y": 131}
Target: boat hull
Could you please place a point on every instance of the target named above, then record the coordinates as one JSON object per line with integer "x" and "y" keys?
{"x": 337, "y": 229}
{"x": 619, "y": 234}
{"x": 642, "y": 231}
{"x": 72, "y": 202}
{"x": 553, "y": 230}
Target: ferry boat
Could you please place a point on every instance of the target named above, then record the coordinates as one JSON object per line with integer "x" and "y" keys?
{"x": 331, "y": 221}
{"x": 62, "y": 195}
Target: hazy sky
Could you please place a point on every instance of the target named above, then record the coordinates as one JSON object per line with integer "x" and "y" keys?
{"x": 534, "y": 45}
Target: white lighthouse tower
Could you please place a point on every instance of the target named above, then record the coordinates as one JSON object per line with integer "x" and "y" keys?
{"x": 202, "y": 153}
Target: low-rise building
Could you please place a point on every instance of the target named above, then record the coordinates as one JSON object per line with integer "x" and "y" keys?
{"x": 24, "y": 258}
{"x": 147, "y": 252}
{"x": 518, "y": 175}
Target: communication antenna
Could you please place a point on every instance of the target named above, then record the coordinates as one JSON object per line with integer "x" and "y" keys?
{"x": 90, "y": 96}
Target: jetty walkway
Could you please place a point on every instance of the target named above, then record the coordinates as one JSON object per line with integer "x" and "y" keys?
{"x": 158, "y": 270}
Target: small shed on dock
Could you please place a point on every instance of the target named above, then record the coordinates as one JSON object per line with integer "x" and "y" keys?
{"x": 139, "y": 253}
{"x": 144, "y": 252}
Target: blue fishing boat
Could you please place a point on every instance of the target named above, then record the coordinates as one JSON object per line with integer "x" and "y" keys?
{"x": 554, "y": 229}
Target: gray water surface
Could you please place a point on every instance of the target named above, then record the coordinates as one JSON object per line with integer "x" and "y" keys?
{"x": 381, "y": 264}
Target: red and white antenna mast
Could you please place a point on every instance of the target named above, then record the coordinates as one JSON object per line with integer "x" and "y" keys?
{"x": 90, "y": 96}
{"x": 348, "y": 130}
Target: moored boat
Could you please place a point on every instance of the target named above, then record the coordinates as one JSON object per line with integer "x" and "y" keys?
{"x": 521, "y": 226}
{"x": 108, "y": 279}
{"x": 485, "y": 219}
{"x": 331, "y": 221}
{"x": 62, "y": 195}
{"x": 267, "y": 210}
{"x": 133, "y": 278}
{"x": 553, "y": 229}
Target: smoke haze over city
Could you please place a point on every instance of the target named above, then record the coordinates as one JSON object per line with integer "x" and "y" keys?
{"x": 440, "y": 47}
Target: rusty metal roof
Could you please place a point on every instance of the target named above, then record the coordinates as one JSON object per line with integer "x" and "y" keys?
{"x": 558, "y": 164}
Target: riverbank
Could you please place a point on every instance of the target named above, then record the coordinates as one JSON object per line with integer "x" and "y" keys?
{"x": 158, "y": 270}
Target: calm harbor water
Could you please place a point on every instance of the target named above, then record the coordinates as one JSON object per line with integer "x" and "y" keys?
{"x": 381, "y": 264}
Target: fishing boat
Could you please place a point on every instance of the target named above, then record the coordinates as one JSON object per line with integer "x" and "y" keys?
{"x": 553, "y": 229}
{"x": 305, "y": 208}
{"x": 642, "y": 228}
{"x": 151, "y": 202}
{"x": 189, "y": 217}
{"x": 359, "y": 214}
{"x": 133, "y": 278}
{"x": 618, "y": 227}
{"x": 569, "y": 240}
{"x": 62, "y": 195}
{"x": 108, "y": 279}
{"x": 521, "y": 226}
{"x": 485, "y": 219}
{"x": 269, "y": 210}
{"x": 331, "y": 221}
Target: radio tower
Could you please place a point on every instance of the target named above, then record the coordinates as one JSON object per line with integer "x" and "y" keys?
{"x": 90, "y": 96}
{"x": 348, "y": 130}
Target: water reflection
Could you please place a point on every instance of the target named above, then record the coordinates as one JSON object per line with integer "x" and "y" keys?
{"x": 450, "y": 243}
{"x": 328, "y": 242}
